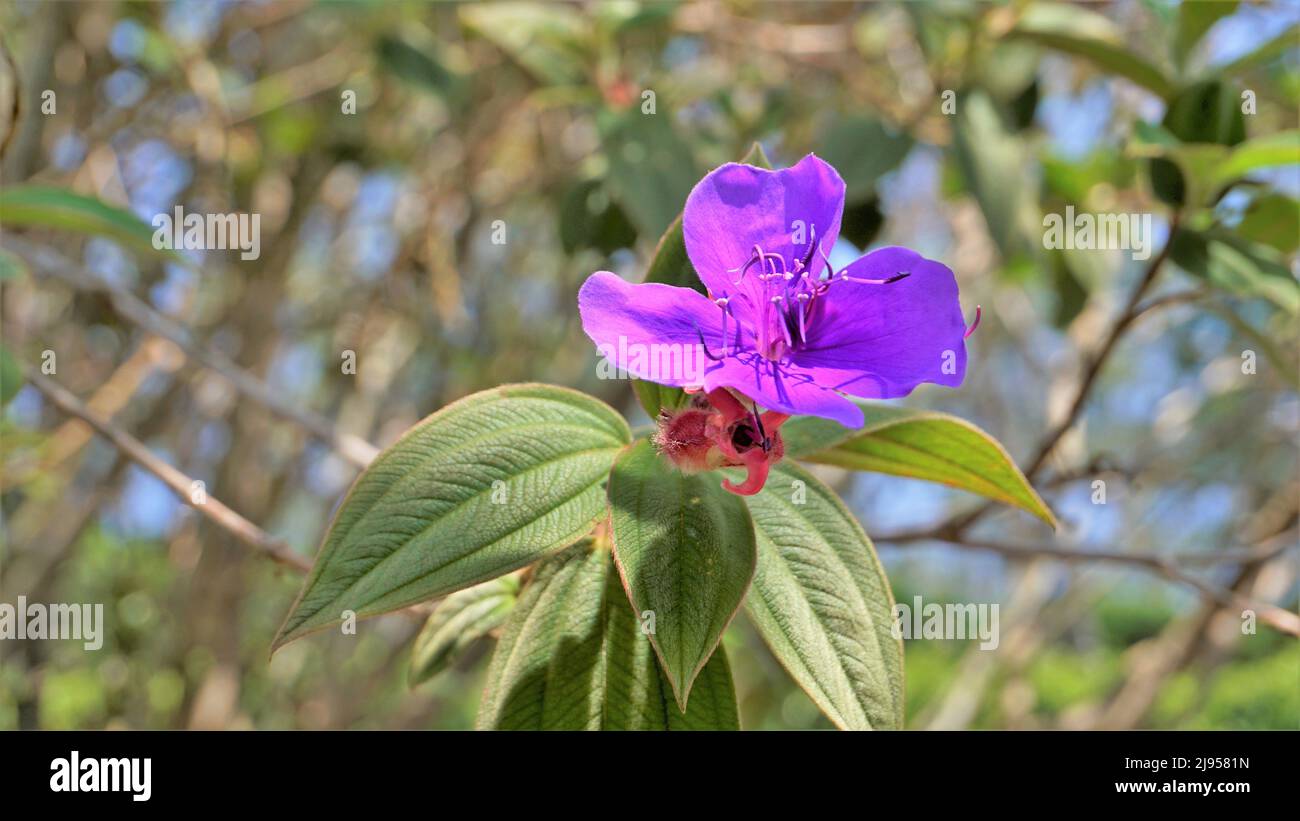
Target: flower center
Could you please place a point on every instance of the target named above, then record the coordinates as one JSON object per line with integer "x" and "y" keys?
{"x": 717, "y": 430}
{"x": 787, "y": 297}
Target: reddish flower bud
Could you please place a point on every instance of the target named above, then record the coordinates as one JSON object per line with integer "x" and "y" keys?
{"x": 717, "y": 431}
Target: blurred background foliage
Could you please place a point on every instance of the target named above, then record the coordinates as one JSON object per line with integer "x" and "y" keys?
{"x": 581, "y": 127}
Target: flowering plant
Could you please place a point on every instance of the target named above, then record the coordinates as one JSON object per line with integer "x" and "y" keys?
{"x": 779, "y": 327}
{"x": 611, "y": 563}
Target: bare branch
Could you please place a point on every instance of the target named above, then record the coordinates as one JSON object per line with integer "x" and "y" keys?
{"x": 242, "y": 529}
{"x": 1176, "y": 298}
{"x": 1164, "y": 565}
{"x": 1132, "y": 310}
{"x": 1093, "y": 370}
{"x": 353, "y": 448}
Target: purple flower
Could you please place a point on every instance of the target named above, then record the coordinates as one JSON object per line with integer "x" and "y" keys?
{"x": 779, "y": 326}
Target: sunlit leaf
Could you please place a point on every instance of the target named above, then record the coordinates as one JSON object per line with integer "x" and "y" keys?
{"x": 992, "y": 161}
{"x": 1266, "y": 52}
{"x": 862, "y": 149}
{"x": 419, "y": 66}
{"x": 651, "y": 167}
{"x": 920, "y": 444}
{"x": 548, "y": 40}
{"x": 574, "y": 656}
{"x": 482, "y": 487}
{"x": 822, "y": 603}
{"x": 1092, "y": 36}
{"x": 52, "y": 207}
{"x": 685, "y": 550}
{"x": 12, "y": 266}
{"x": 461, "y": 619}
{"x": 1237, "y": 265}
{"x": 1195, "y": 19}
{"x": 1282, "y": 148}
{"x": 11, "y": 376}
{"x": 1273, "y": 219}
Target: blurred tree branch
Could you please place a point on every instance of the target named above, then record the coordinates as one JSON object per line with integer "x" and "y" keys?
{"x": 353, "y": 448}
{"x": 955, "y": 527}
{"x": 244, "y": 530}
{"x": 1166, "y": 566}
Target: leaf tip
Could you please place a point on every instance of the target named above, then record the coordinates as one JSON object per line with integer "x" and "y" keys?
{"x": 286, "y": 633}
{"x": 1040, "y": 509}
{"x": 279, "y": 641}
{"x": 681, "y": 693}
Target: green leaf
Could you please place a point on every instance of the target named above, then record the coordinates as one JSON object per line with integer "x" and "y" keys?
{"x": 1237, "y": 265}
{"x": 822, "y": 603}
{"x": 461, "y": 619}
{"x": 1157, "y": 137}
{"x": 1093, "y": 37}
{"x": 1204, "y": 117}
{"x": 655, "y": 397}
{"x": 12, "y": 266}
{"x": 671, "y": 266}
{"x": 418, "y": 65}
{"x": 1071, "y": 275}
{"x": 992, "y": 162}
{"x": 651, "y": 168}
{"x": 589, "y": 218}
{"x": 1074, "y": 179}
{"x": 51, "y": 207}
{"x": 920, "y": 444}
{"x": 862, "y": 221}
{"x": 549, "y": 41}
{"x": 1282, "y": 360}
{"x": 1281, "y": 148}
{"x": 862, "y": 149}
{"x": 1206, "y": 112}
{"x": 484, "y": 486}
{"x": 1273, "y": 219}
{"x": 1187, "y": 173}
{"x": 1270, "y": 50}
{"x": 1194, "y": 20}
{"x": 685, "y": 550}
{"x": 573, "y": 656}
{"x": 11, "y": 376}
{"x": 1194, "y": 172}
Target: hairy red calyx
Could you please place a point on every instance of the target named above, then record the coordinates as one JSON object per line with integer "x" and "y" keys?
{"x": 716, "y": 431}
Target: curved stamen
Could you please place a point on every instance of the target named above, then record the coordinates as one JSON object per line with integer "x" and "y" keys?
{"x": 781, "y": 319}
{"x": 764, "y": 442}
{"x": 705, "y": 346}
{"x": 813, "y": 244}
{"x": 975, "y": 324}
{"x": 774, "y": 258}
{"x": 743, "y": 270}
{"x": 827, "y": 260}
{"x": 722, "y": 302}
{"x": 900, "y": 275}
